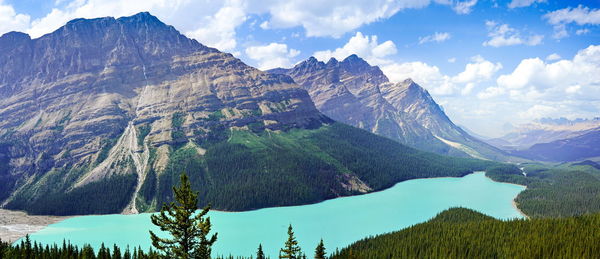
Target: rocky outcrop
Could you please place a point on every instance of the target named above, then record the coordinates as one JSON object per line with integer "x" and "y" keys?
{"x": 356, "y": 93}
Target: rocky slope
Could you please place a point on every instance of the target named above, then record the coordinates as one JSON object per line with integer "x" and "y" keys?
{"x": 99, "y": 94}
{"x": 358, "y": 94}
{"x": 102, "y": 115}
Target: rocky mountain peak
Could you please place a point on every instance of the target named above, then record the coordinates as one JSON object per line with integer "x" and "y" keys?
{"x": 354, "y": 92}
{"x": 13, "y": 36}
{"x": 332, "y": 62}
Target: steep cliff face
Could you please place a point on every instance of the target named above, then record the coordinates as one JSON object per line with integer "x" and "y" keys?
{"x": 356, "y": 93}
{"x": 96, "y": 97}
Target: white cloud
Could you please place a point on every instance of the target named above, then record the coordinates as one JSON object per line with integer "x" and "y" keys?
{"x": 10, "y": 20}
{"x": 464, "y": 7}
{"x": 582, "y": 31}
{"x": 543, "y": 80}
{"x": 580, "y": 16}
{"x": 503, "y": 35}
{"x": 478, "y": 71}
{"x": 364, "y": 46}
{"x": 491, "y": 92}
{"x": 333, "y": 17}
{"x": 219, "y": 29}
{"x": 523, "y": 3}
{"x": 436, "y": 37}
{"x": 265, "y": 25}
{"x": 553, "y": 57}
{"x": 538, "y": 111}
{"x": 573, "y": 89}
{"x": 427, "y": 76}
{"x": 451, "y": 60}
{"x": 272, "y": 55}
{"x": 430, "y": 77}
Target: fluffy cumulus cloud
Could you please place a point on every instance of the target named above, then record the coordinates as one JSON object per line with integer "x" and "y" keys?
{"x": 573, "y": 85}
{"x": 272, "y": 55}
{"x": 219, "y": 29}
{"x": 364, "y": 46}
{"x": 10, "y": 20}
{"x": 534, "y": 73}
{"x": 477, "y": 71}
{"x": 580, "y": 15}
{"x": 436, "y": 37}
{"x": 426, "y": 75}
{"x": 503, "y": 35}
{"x": 368, "y": 47}
{"x": 523, "y": 3}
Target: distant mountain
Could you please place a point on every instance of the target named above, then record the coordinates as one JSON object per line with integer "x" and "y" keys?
{"x": 102, "y": 115}
{"x": 543, "y": 131}
{"x": 576, "y": 148}
{"x": 353, "y": 92}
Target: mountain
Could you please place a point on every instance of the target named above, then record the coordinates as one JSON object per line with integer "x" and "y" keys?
{"x": 102, "y": 115}
{"x": 575, "y": 148}
{"x": 353, "y": 92}
{"x": 544, "y": 130}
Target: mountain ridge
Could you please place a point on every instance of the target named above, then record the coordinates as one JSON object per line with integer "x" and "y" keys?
{"x": 358, "y": 94}
{"x": 102, "y": 115}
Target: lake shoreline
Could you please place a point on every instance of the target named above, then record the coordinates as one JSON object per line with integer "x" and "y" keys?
{"x": 55, "y": 219}
{"x": 514, "y": 202}
{"x": 15, "y": 225}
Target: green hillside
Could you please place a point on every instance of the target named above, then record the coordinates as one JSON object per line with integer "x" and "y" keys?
{"x": 250, "y": 169}
{"x": 463, "y": 233}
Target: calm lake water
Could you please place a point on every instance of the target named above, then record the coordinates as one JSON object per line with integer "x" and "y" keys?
{"x": 339, "y": 221}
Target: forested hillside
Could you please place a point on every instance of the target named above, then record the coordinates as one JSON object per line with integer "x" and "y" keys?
{"x": 554, "y": 191}
{"x": 463, "y": 233}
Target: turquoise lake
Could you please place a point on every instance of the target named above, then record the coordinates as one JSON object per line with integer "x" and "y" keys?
{"x": 339, "y": 221}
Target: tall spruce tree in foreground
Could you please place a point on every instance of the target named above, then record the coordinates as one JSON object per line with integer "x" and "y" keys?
{"x": 291, "y": 250}
{"x": 189, "y": 230}
{"x": 320, "y": 250}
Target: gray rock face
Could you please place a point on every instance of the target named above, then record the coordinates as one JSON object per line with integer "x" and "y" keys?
{"x": 97, "y": 94}
{"x": 356, "y": 93}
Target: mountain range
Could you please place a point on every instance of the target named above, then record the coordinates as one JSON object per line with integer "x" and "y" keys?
{"x": 353, "y": 92}
{"x": 102, "y": 115}
{"x": 544, "y": 130}
{"x": 555, "y": 140}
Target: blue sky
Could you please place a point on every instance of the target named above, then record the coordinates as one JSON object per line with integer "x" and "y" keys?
{"x": 488, "y": 63}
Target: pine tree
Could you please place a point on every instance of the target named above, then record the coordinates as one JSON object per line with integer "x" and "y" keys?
{"x": 188, "y": 228}
{"x": 291, "y": 249}
{"x": 116, "y": 252}
{"x": 320, "y": 250}
{"x": 260, "y": 254}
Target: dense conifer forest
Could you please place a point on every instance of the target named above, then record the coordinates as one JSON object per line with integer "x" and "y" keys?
{"x": 554, "y": 191}
{"x": 296, "y": 166}
{"x": 463, "y": 233}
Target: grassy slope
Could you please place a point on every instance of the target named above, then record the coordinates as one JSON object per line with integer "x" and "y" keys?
{"x": 462, "y": 233}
